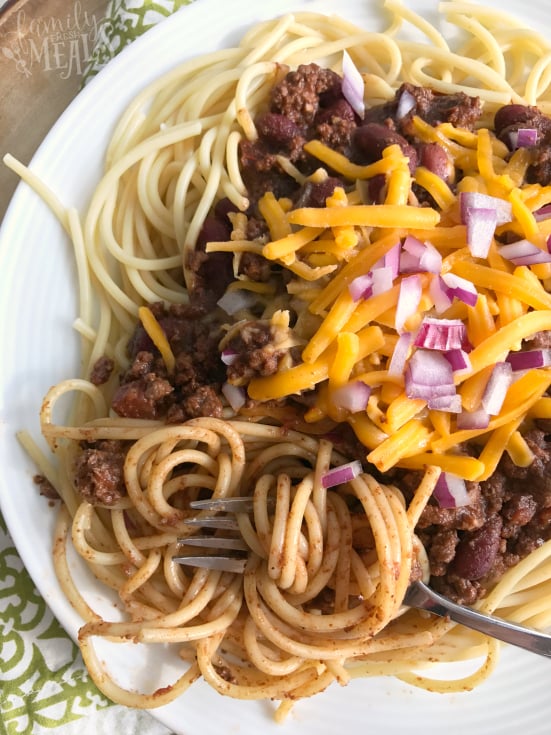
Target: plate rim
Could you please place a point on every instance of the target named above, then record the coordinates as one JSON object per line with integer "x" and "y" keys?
{"x": 95, "y": 87}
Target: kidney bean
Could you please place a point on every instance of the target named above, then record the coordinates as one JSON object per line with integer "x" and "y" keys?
{"x": 339, "y": 109}
{"x": 315, "y": 194}
{"x": 224, "y": 207}
{"x": 435, "y": 158}
{"x": 140, "y": 341}
{"x": 513, "y": 115}
{"x": 376, "y": 189}
{"x": 277, "y": 129}
{"x": 510, "y": 118}
{"x": 477, "y": 550}
{"x": 370, "y": 140}
{"x": 213, "y": 230}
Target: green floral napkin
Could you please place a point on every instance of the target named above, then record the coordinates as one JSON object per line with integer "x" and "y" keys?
{"x": 44, "y": 686}
{"x": 125, "y": 20}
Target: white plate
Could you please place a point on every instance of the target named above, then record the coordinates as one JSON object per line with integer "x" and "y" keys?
{"x": 38, "y": 348}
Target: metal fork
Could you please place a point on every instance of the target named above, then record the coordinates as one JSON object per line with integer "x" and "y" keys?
{"x": 418, "y": 594}
{"x": 235, "y": 558}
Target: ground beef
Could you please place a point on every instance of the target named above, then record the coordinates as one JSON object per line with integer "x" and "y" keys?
{"x": 259, "y": 177}
{"x": 204, "y": 401}
{"x": 539, "y": 341}
{"x": 335, "y": 125}
{"x": 45, "y": 487}
{"x": 102, "y": 370}
{"x": 146, "y": 389}
{"x": 539, "y": 171}
{"x": 306, "y": 104}
{"x": 142, "y": 398}
{"x": 257, "y": 229}
{"x": 300, "y": 94}
{"x": 256, "y": 353}
{"x": 442, "y": 550}
{"x": 98, "y": 472}
{"x": 434, "y": 108}
{"x": 470, "y": 548}
{"x": 459, "y": 109}
{"x": 255, "y": 267}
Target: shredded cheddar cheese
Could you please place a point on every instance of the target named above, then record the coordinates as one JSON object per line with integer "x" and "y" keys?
{"x": 157, "y": 336}
{"x": 373, "y": 215}
{"x": 289, "y": 244}
{"x": 408, "y": 439}
{"x": 354, "y": 335}
{"x": 352, "y": 171}
{"x": 273, "y": 211}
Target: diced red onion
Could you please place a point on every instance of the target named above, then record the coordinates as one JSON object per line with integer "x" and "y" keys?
{"x": 441, "y": 334}
{"x": 427, "y": 392}
{"x": 408, "y": 300}
{"x": 529, "y": 359}
{"x": 481, "y": 225}
{"x": 419, "y": 256}
{"x": 450, "y": 491}
{"x": 409, "y": 263}
{"x": 431, "y": 260}
{"x": 392, "y": 259}
{"x": 342, "y": 474}
{"x": 353, "y": 85}
{"x": 235, "y": 395}
{"x": 524, "y": 252}
{"x": 361, "y": 287}
{"x": 542, "y": 213}
{"x": 233, "y": 301}
{"x": 406, "y": 103}
{"x": 397, "y": 364}
{"x": 229, "y": 356}
{"x": 458, "y": 359}
{"x": 352, "y": 397}
{"x": 450, "y": 403}
{"x": 496, "y": 388}
{"x": 439, "y": 295}
{"x": 428, "y": 375}
{"x": 481, "y": 214}
{"x": 413, "y": 245}
{"x": 478, "y": 419}
{"x": 410, "y": 257}
{"x": 382, "y": 280}
{"x": 476, "y": 200}
{"x": 459, "y": 288}
{"x": 526, "y": 137}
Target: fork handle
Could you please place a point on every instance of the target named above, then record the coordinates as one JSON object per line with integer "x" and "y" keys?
{"x": 422, "y": 597}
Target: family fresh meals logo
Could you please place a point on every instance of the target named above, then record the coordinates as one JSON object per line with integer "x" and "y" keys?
{"x": 61, "y": 45}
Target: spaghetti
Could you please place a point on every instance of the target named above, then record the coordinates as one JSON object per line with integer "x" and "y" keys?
{"x": 320, "y": 600}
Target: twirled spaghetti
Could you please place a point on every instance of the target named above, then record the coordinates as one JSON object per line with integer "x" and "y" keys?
{"x": 320, "y": 599}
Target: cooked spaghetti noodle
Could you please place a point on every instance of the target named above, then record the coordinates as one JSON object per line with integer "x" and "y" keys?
{"x": 320, "y": 599}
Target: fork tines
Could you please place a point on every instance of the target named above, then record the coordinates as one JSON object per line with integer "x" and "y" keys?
{"x": 234, "y": 559}
{"x": 218, "y": 562}
{"x": 222, "y": 522}
{"x": 215, "y": 542}
{"x": 224, "y": 505}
